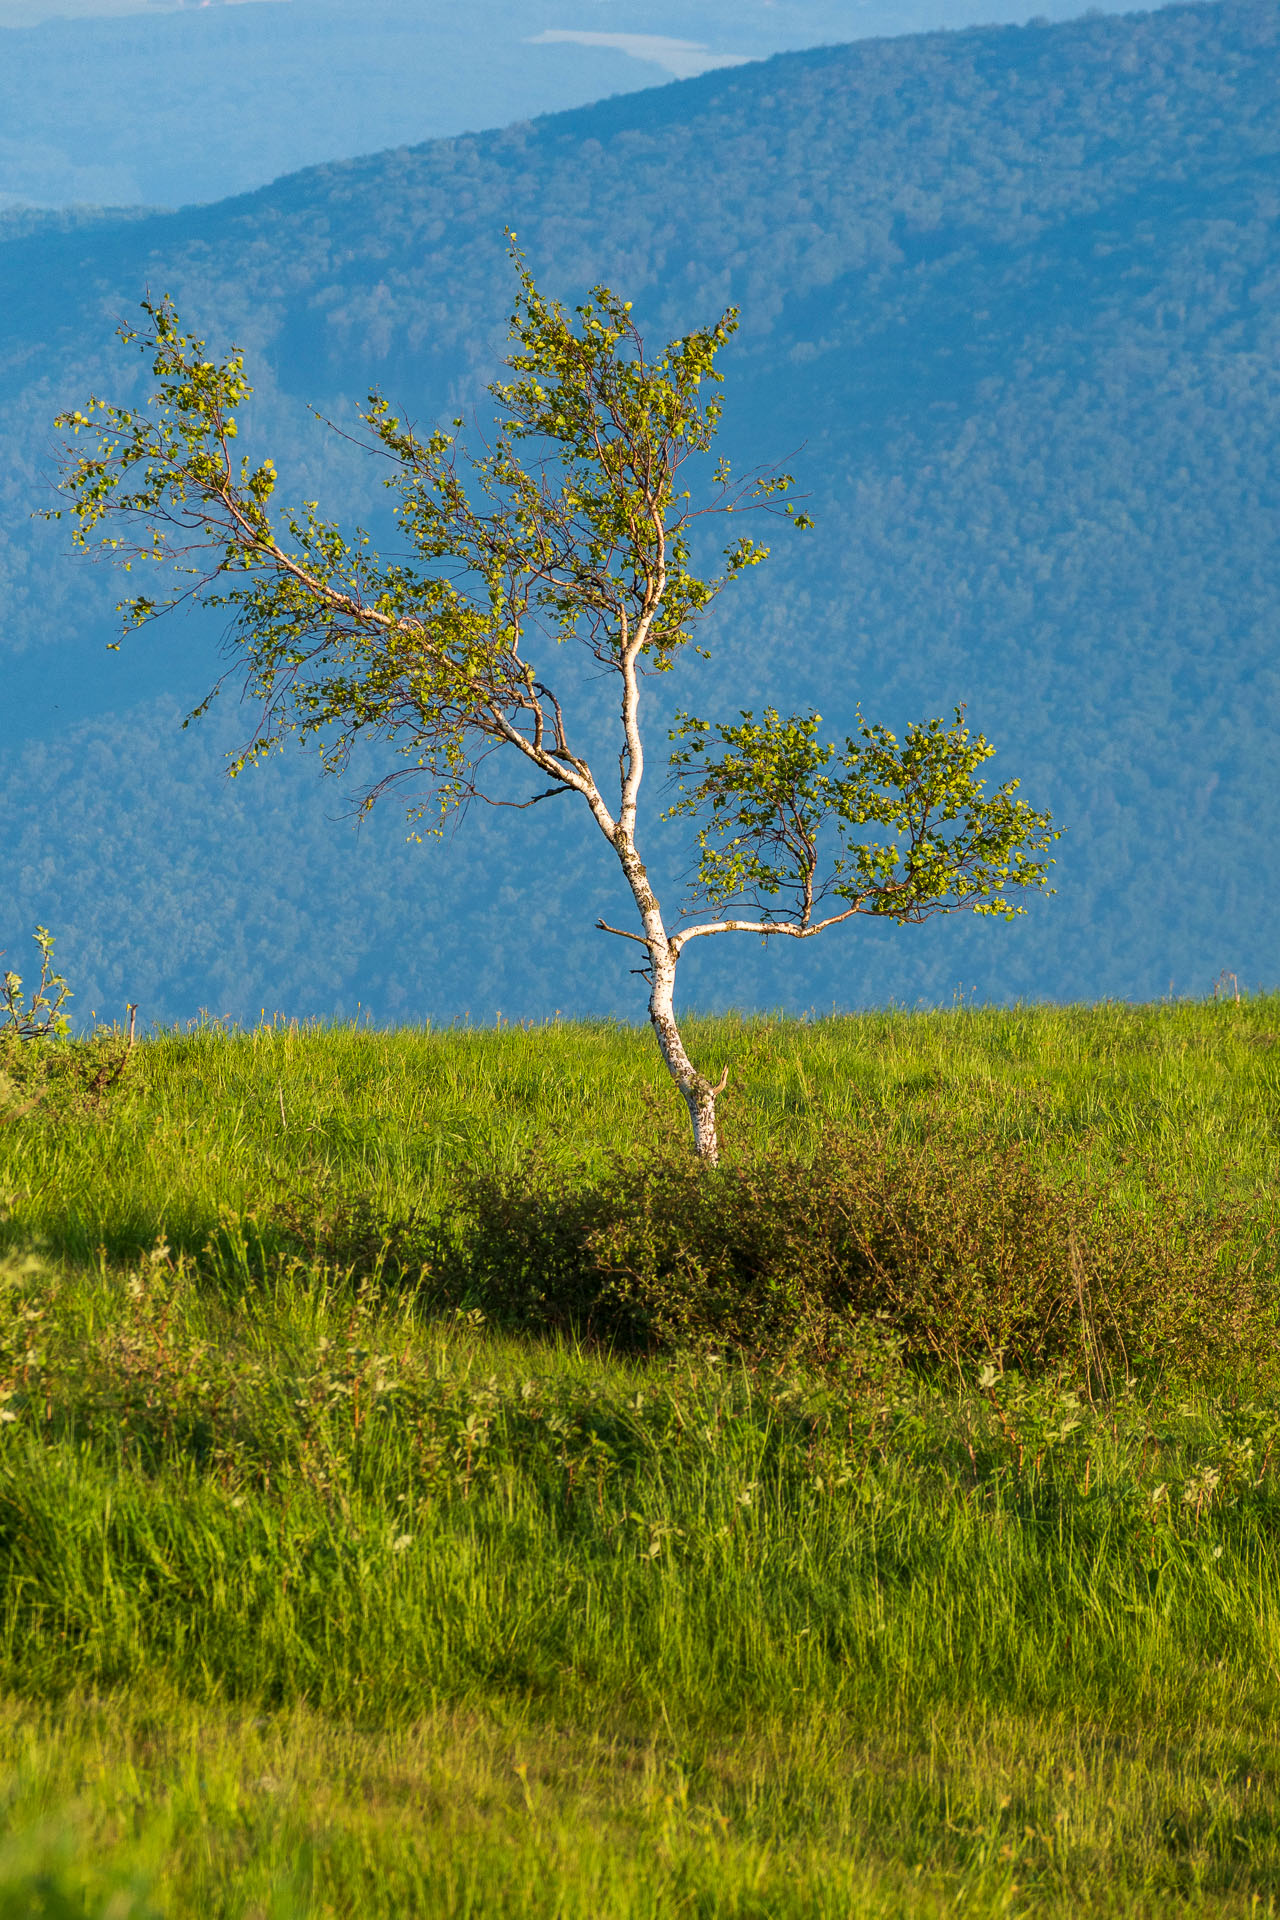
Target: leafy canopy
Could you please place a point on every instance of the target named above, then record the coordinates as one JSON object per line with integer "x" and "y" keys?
{"x": 778, "y": 800}
{"x": 572, "y": 524}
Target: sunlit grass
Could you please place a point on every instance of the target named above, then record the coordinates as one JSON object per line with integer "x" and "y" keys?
{"x": 210, "y": 1123}
{"x": 316, "y": 1602}
{"x": 162, "y": 1809}
{"x": 311, "y": 1598}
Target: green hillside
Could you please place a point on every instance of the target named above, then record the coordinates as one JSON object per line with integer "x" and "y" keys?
{"x": 1008, "y": 308}
{"x": 327, "y": 1588}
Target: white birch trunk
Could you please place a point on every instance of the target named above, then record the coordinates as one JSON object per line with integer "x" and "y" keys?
{"x": 697, "y": 1091}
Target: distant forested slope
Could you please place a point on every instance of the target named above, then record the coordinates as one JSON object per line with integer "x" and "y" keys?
{"x": 170, "y": 107}
{"x": 1009, "y": 306}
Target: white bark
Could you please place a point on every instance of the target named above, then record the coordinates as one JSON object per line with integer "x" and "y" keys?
{"x": 699, "y": 1094}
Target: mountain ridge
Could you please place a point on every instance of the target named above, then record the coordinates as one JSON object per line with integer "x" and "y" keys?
{"x": 221, "y": 99}
{"x": 1016, "y": 291}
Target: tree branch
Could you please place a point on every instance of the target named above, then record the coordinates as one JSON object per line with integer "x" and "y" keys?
{"x": 520, "y": 805}
{"x": 762, "y": 927}
{"x": 623, "y": 934}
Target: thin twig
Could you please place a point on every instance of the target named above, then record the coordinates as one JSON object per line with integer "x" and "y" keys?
{"x": 622, "y": 933}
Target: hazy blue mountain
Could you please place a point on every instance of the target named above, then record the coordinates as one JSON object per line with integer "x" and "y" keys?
{"x": 163, "y": 108}
{"x": 1010, "y": 308}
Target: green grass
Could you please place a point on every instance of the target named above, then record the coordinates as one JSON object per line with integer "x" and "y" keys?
{"x": 208, "y": 1124}
{"x": 313, "y": 1602}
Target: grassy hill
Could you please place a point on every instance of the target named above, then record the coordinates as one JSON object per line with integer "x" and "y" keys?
{"x": 322, "y": 1592}
{"x": 1008, "y": 308}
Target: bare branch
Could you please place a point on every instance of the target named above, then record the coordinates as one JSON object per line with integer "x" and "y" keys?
{"x": 622, "y": 933}
{"x": 518, "y": 806}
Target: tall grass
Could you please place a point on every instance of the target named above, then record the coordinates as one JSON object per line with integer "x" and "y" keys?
{"x": 315, "y": 1601}
{"x": 210, "y": 1123}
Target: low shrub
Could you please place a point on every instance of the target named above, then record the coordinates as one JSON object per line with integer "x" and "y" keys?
{"x": 40, "y": 1068}
{"x": 953, "y": 1251}
{"x": 61, "y": 1078}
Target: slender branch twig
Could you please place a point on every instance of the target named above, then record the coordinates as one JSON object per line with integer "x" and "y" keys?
{"x": 622, "y": 933}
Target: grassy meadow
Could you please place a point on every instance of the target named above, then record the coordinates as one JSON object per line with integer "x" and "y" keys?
{"x": 326, "y": 1591}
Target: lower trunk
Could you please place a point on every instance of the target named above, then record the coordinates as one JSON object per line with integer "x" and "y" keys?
{"x": 701, "y": 1102}
{"x": 699, "y": 1094}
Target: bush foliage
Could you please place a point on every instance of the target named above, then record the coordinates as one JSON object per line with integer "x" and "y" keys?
{"x": 945, "y": 1251}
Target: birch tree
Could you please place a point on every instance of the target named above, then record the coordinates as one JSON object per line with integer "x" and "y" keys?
{"x": 573, "y": 525}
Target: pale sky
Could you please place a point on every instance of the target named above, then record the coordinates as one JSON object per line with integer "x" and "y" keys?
{"x": 28, "y": 13}
{"x": 680, "y": 56}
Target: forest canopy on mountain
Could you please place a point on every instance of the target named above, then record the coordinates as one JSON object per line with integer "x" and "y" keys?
{"x": 1009, "y": 310}
{"x": 283, "y": 84}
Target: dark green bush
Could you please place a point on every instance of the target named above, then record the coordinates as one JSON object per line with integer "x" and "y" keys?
{"x": 955, "y": 1250}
